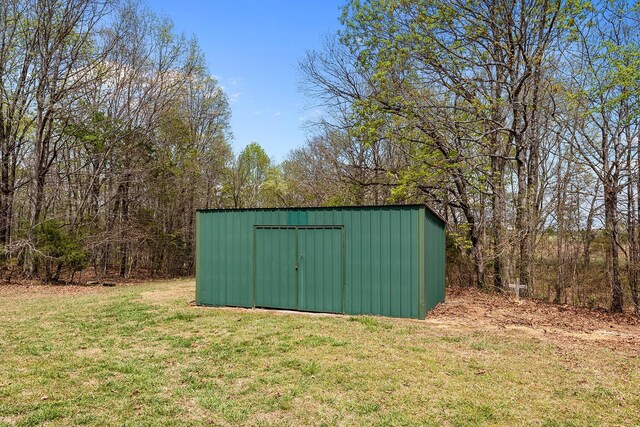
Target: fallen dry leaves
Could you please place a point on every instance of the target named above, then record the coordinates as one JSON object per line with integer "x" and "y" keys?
{"x": 35, "y": 288}
{"x": 473, "y": 307}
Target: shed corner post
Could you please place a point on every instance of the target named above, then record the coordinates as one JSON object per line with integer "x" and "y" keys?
{"x": 197, "y": 260}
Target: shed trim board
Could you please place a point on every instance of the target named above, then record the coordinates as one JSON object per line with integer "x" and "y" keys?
{"x": 302, "y": 208}
{"x": 380, "y": 260}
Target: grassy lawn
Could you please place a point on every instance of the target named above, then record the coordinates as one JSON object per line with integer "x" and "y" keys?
{"x": 141, "y": 355}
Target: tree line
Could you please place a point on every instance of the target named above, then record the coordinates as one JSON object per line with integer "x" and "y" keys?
{"x": 516, "y": 119}
{"x": 112, "y": 131}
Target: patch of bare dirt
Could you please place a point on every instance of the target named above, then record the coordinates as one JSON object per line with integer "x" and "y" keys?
{"x": 181, "y": 290}
{"x": 91, "y": 352}
{"x": 555, "y": 321}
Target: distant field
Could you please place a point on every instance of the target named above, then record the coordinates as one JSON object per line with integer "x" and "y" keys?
{"x": 142, "y": 355}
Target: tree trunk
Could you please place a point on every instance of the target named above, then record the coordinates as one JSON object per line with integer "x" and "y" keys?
{"x": 499, "y": 207}
{"x": 124, "y": 241}
{"x": 559, "y": 243}
{"x": 522, "y": 228}
{"x": 589, "y": 234}
{"x": 6, "y": 195}
{"x": 632, "y": 226}
{"x": 610, "y": 203}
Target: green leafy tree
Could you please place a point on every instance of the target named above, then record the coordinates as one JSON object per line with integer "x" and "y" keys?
{"x": 462, "y": 85}
{"x": 59, "y": 248}
{"x": 245, "y": 179}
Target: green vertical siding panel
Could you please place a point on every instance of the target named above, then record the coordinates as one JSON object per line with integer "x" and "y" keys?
{"x": 235, "y": 253}
{"x": 354, "y": 262}
{"x": 358, "y": 249}
{"x": 200, "y": 253}
{"x": 223, "y": 258}
{"x": 409, "y": 265}
{"x": 214, "y": 244}
{"x": 395, "y": 253}
{"x": 247, "y": 264}
{"x": 348, "y": 225}
{"x": 199, "y": 262}
{"x": 374, "y": 283}
{"x": 320, "y": 272}
{"x": 234, "y": 279}
{"x": 361, "y": 293}
{"x": 415, "y": 308}
{"x": 405, "y": 264}
{"x": 367, "y": 264}
{"x": 275, "y": 273}
{"x": 385, "y": 261}
{"x": 244, "y": 254}
{"x": 422, "y": 284}
{"x": 218, "y": 261}
{"x": 315, "y": 256}
{"x": 231, "y": 279}
{"x": 435, "y": 260}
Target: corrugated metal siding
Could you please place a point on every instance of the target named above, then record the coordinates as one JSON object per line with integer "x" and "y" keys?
{"x": 320, "y": 261}
{"x": 435, "y": 260}
{"x": 275, "y": 274}
{"x": 422, "y": 257}
{"x": 382, "y": 249}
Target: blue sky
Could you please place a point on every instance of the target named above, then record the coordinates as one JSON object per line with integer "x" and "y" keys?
{"x": 253, "y": 47}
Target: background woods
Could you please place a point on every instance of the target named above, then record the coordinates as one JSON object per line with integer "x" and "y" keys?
{"x": 517, "y": 120}
{"x": 112, "y": 132}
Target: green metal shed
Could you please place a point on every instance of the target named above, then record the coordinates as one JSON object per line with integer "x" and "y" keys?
{"x": 382, "y": 260}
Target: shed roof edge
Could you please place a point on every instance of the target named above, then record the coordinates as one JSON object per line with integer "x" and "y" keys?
{"x": 297, "y": 208}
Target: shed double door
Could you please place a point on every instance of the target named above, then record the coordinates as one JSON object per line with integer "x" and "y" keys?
{"x": 299, "y": 268}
